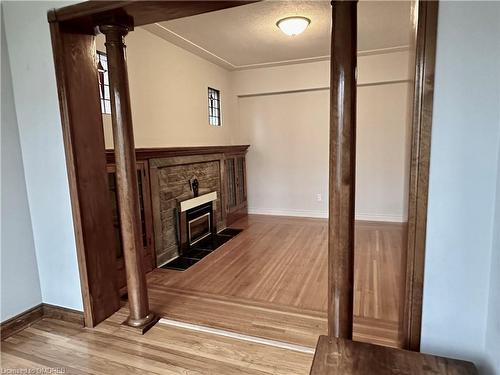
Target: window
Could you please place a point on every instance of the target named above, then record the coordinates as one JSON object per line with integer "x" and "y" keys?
{"x": 214, "y": 107}
{"x": 102, "y": 68}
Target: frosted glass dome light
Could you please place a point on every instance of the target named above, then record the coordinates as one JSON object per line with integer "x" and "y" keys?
{"x": 293, "y": 25}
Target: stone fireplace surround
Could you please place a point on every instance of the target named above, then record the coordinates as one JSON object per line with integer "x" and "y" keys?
{"x": 170, "y": 186}
{"x": 231, "y": 204}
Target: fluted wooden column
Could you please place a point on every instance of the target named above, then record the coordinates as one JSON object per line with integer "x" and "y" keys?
{"x": 342, "y": 168}
{"x": 126, "y": 175}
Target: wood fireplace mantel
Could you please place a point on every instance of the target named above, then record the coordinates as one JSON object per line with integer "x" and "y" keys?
{"x": 165, "y": 182}
{"x": 167, "y": 152}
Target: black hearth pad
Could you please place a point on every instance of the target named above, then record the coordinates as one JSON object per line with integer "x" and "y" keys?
{"x": 201, "y": 249}
{"x": 230, "y": 232}
{"x": 196, "y": 254}
{"x": 180, "y": 264}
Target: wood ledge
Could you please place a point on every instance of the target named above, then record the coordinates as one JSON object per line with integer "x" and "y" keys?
{"x": 336, "y": 356}
{"x": 85, "y": 16}
{"x": 167, "y": 152}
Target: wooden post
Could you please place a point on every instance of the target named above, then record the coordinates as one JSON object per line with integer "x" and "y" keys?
{"x": 342, "y": 169}
{"x": 81, "y": 119}
{"x": 126, "y": 174}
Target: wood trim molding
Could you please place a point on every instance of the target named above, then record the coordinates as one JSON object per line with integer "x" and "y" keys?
{"x": 33, "y": 315}
{"x": 62, "y": 313}
{"x": 21, "y": 321}
{"x": 181, "y": 160}
{"x": 85, "y": 16}
{"x": 425, "y": 41}
{"x": 81, "y": 119}
{"x": 168, "y": 152}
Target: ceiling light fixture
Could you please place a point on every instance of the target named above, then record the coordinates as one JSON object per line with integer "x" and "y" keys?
{"x": 293, "y": 25}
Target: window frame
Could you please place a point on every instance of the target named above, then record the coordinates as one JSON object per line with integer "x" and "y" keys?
{"x": 105, "y": 102}
{"x": 214, "y": 112}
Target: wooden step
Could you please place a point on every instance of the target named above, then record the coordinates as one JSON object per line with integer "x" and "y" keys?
{"x": 345, "y": 357}
{"x": 281, "y": 323}
{"x": 262, "y": 319}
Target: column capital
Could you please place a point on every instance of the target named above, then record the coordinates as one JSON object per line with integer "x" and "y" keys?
{"x": 114, "y": 33}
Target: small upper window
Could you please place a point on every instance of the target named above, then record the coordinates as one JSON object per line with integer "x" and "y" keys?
{"x": 102, "y": 69}
{"x": 214, "y": 107}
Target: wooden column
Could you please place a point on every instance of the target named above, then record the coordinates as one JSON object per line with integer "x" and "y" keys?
{"x": 126, "y": 175}
{"x": 342, "y": 168}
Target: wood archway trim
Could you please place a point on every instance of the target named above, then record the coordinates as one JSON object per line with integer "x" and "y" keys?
{"x": 73, "y": 42}
{"x": 85, "y": 17}
{"x": 424, "y": 36}
{"x": 77, "y": 81}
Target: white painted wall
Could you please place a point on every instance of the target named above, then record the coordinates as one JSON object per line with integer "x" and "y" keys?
{"x": 37, "y": 109}
{"x": 168, "y": 94}
{"x": 492, "y": 340}
{"x": 287, "y": 163}
{"x": 463, "y": 183}
{"x": 169, "y": 108}
{"x": 20, "y": 285}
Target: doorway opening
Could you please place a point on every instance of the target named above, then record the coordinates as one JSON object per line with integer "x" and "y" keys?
{"x": 286, "y": 238}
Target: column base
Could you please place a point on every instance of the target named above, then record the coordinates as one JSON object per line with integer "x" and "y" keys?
{"x": 141, "y": 326}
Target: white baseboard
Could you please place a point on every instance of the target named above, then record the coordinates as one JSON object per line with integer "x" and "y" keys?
{"x": 296, "y": 213}
{"x": 323, "y": 214}
{"x": 380, "y": 217}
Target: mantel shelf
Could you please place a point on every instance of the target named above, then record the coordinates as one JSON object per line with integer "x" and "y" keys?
{"x": 167, "y": 152}
{"x": 196, "y": 201}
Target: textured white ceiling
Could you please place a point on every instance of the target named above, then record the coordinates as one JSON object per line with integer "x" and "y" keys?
{"x": 247, "y": 35}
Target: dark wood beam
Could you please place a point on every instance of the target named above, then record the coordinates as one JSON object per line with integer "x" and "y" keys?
{"x": 342, "y": 168}
{"x": 86, "y": 16}
{"x": 126, "y": 179}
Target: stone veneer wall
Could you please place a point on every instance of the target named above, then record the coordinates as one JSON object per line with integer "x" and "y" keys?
{"x": 170, "y": 185}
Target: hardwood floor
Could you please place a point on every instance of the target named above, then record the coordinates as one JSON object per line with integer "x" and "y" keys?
{"x": 277, "y": 260}
{"x": 271, "y": 281}
{"x": 111, "y": 349}
{"x": 377, "y": 270}
{"x": 259, "y": 319}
